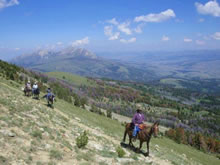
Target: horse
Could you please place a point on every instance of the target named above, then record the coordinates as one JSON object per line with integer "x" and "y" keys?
{"x": 50, "y": 100}
{"x": 144, "y": 135}
{"x": 36, "y": 93}
{"x": 27, "y": 91}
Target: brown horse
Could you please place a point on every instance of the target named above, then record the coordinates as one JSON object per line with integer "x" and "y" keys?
{"x": 144, "y": 135}
{"x": 27, "y": 91}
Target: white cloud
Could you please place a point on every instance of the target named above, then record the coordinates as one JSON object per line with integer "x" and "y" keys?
{"x": 201, "y": 20}
{"x": 113, "y": 21}
{"x": 108, "y": 30}
{"x": 200, "y": 42}
{"x": 8, "y": 3}
{"x": 81, "y": 42}
{"x": 59, "y": 43}
{"x": 163, "y": 16}
{"x": 124, "y": 27}
{"x": 216, "y": 36}
{"x": 210, "y": 8}
{"x": 114, "y": 36}
{"x": 138, "y": 29}
{"x": 131, "y": 40}
{"x": 165, "y": 38}
{"x": 187, "y": 40}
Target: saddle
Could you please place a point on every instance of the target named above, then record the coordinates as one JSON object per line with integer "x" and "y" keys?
{"x": 141, "y": 126}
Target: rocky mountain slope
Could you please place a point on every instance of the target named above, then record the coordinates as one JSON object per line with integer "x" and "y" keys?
{"x": 32, "y": 133}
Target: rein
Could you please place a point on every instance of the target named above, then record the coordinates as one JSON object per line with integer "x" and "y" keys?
{"x": 149, "y": 134}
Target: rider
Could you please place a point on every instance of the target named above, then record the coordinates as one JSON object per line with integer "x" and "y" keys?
{"x": 28, "y": 85}
{"x": 35, "y": 87}
{"x": 137, "y": 119}
{"x": 49, "y": 93}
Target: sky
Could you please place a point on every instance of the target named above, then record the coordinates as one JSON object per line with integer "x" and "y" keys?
{"x": 108, "y": 26}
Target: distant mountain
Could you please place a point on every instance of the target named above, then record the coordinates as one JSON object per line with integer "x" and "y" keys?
{"x": 199, "y": 64}
{"x": 83, "y": 62}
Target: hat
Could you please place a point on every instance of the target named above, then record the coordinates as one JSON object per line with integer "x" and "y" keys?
{"x": 139, "y": 106}
{"x": 139, "y": 110}
{"x": 29, "y": 81}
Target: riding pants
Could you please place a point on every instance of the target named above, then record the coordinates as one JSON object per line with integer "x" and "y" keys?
{"x": 136, "y": 130}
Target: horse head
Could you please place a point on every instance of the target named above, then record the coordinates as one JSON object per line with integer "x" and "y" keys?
{"x": 155, "y": 128}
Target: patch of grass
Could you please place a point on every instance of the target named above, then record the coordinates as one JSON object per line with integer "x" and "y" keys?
{"x": 87, "y": 156}
{"x": 3, "y": 160}
{"x": 55, "y": 154}
{"x": 37, "y": 134}
{"x": 67, "y": 144}
{"x": 39, "y": 163}
{"x": 120, "y": 151}
{"x": 51, "y": 163}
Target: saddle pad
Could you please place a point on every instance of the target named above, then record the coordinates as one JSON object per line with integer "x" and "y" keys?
{"x": 142, "y": 126}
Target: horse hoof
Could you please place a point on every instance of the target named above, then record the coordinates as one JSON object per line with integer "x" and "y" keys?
{"x": 147, "y": 154}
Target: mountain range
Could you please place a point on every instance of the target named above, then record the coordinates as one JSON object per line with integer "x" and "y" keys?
{"x": 85, "y": 63}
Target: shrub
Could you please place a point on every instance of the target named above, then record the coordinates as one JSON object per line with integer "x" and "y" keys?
{"x": 180, "y": 136}
{"x": 77, "y": 102}
{"x": 120, "y": 151}
{"x": 109, "y": 113}
{"x": 82, "y": 140}
{"x": 83, "y": 101}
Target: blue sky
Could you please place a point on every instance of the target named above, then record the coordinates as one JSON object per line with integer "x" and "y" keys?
{"x": 113, "y": 25}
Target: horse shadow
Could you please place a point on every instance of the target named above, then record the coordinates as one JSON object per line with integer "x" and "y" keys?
{"x": 132, "y": 148}
{"x": 49, "y": 105}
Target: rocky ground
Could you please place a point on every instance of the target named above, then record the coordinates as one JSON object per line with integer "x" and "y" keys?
{"x": 32, "y": 133}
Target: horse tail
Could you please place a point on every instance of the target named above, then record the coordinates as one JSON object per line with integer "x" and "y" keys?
{"x": 125, "y": 133}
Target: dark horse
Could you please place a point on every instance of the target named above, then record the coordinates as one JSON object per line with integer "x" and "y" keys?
{"x": 144, "y": 135}
{"x": 27, "y": 91}
{"x": 36, "y": 93}
{"x": 50, "y": 100}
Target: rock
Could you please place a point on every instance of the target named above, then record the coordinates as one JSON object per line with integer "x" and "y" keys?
{"x": 66, "y": 149}
{"x": 46, "y": 134}
{"x": 78, "y": 119}
{"x": 41, "y": 129}
{"x": 47, "y": 146}
{"x": 125, "y": 160}
{"x": 7, "y": 133}
{"x": 96, "y": 146}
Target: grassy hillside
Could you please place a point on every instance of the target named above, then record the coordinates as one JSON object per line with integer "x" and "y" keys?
{"x": 32, "y": 133}
{"x": 71, "y": 78}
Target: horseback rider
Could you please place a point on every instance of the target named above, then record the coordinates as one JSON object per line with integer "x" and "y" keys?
{"x": 35, "y": 87}
{"x": 137, "y": 120}
{"x": 49, "y": 93}
{"x": 28, "y": 85}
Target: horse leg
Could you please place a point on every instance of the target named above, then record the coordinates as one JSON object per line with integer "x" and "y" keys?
{"x": 139, "y": 150}
{"x": 148, "y": 148}
{"x": 125, "y": 134}
{"x": 130, "y": 141}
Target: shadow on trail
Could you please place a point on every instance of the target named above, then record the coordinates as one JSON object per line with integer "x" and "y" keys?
{"x": 49, "y": 105}
{"x": 132, "y": 148}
